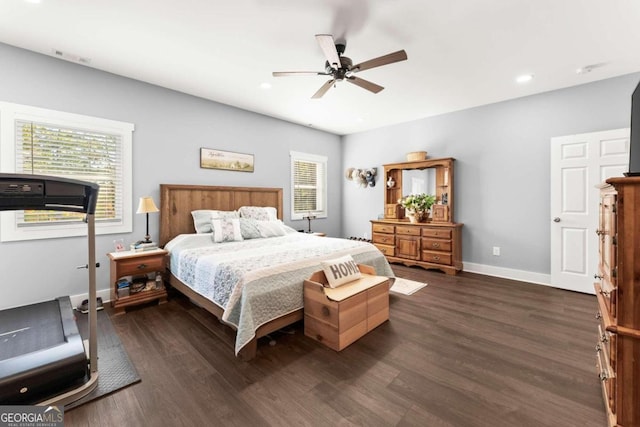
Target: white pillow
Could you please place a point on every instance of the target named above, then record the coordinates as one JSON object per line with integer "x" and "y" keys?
{"x": 260, "y": 213}
{"x": 340, "y": 271}
{"x": 202, "y": 218}
{"x": 271, "y": 228}
{"x": 226, "y": 230}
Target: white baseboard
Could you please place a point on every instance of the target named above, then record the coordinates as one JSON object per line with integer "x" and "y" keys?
{"x": 76, "y": 300}
{"x": 508, "y": 273}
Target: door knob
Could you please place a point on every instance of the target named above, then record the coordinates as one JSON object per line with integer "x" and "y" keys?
{"x": 556, "y": 219}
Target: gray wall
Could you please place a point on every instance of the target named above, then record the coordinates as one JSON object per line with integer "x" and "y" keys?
{"x": 502, "y": 166}
{"x": 170, "y": 128}
{"x": 502, "y": 154}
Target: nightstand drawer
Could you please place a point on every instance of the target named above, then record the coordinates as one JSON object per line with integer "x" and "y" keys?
{"x": 140, "y": 265}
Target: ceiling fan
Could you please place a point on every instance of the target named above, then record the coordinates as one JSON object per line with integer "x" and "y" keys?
{"x": 341, "y": 68}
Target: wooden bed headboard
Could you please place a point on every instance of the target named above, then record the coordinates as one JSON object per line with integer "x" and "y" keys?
{"x": 177, "y": 202}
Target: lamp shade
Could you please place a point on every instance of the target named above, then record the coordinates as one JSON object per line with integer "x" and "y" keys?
{"x": 146, "y": 205}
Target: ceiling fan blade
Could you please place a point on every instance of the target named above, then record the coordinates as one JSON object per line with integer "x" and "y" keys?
{"x": 400, "y": 55}
{"x": 325, "y": 87}
{"x": 329, "y": 48}
{"x": 365, "y": 84}
{"x": 299, "y": 73}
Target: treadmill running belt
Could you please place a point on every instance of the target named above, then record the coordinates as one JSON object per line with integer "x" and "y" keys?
{"x": 30, "y": 328}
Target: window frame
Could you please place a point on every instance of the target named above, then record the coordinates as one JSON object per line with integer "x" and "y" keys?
{"x": 9, "y": 113}
{"x": 323, "y": 186}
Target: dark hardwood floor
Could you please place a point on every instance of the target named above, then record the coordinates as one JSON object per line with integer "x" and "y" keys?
{"x": 468, "y": 350}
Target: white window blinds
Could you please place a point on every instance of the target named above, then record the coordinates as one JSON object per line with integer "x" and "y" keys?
{"x": 309, "y": 185}
{"x": 46, "y": 149}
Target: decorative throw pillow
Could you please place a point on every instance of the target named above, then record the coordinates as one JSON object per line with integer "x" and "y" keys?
{"x": 340, "y": 271}
{"x": 271, "y": 228}
{"x": 202, "y": 218}
{"x": 260, "y": 213}
{"x": 226, "y": 230}
{"x": 249, "y": 228}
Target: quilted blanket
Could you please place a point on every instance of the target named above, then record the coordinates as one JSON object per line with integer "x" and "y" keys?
{"x": 258, "y": 280}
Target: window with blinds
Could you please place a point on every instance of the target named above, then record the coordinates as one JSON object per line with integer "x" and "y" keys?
{"x": 48, "y": 142}
{"x": 83, "y": 154}
{"x": 308, "y": 185}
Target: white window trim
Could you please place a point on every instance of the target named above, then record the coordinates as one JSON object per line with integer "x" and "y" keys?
{"x": 296, "y": 155}
{"x": 9, "y": 112}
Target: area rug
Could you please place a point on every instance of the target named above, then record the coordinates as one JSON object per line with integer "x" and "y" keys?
{"x": 115, "y": 370}
{"x": 406, "y": 286}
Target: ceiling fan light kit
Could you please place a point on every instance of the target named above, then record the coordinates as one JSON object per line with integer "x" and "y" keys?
{"x": 341, "y": 68}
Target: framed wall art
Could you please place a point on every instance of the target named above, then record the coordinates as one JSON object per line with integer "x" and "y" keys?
{"x": 226, "y": 160}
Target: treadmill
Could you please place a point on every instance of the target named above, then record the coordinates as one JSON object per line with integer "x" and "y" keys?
{"x": 43, "y": 359}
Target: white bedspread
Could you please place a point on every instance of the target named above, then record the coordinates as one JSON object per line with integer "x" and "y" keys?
{"x": 256, "y": 281}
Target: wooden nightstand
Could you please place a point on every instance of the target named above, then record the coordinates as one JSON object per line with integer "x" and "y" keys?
{"x": 140, "y": 266}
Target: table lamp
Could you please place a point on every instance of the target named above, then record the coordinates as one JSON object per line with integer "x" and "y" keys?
{"x": 147, "y": 205}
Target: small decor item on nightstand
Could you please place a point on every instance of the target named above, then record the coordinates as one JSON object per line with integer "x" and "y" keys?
{"x": 146, "y": 206}
{"x": 141, "y": 246}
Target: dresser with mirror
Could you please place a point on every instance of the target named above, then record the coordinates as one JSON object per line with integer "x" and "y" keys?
{"x": 434, "y": 243}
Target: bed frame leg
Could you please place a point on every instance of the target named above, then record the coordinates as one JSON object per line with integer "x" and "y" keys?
{"x": 249, "y": 351}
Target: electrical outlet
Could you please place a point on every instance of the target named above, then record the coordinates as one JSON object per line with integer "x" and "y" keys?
{"x": 496, "y": 250}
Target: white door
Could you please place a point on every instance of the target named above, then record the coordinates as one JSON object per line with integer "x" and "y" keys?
{"x": 579, "y": 163}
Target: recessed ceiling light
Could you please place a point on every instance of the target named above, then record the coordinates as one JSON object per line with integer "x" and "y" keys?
{"x": 265, "y": 85}
{"x": 524, "y": 78}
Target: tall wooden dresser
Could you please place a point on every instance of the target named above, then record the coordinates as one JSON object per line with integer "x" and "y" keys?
{"x": 618, "y": 294}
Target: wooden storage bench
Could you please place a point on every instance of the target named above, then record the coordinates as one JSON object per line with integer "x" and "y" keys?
{"x": 338, "y": 317}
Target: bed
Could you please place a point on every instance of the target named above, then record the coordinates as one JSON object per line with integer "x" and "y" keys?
{"x": 253, "y": 285}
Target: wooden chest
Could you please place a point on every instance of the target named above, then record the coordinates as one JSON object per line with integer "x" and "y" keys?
{"x": 338, "y": 319}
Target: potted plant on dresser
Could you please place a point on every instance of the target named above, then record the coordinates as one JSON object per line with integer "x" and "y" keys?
{"x": 417, "y": 206}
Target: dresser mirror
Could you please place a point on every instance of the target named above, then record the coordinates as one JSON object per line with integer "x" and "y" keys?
{"x": 433, "y": 176}
{"x": 418, "y": 181}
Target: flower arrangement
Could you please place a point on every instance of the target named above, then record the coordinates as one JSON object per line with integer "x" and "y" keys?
{"x": 417, "y": 202}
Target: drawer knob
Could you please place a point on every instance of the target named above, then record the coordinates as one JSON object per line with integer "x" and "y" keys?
{"x": 598, "y": 315}
{"x": 597, "y": 276}
{"x": 436, "y": 245}
{"x": 319, "y": 337}
{"x": 598, "y": 348}
{"x": 603, "y": 376}
{"x": 325, "y": 310}
{"x": 605, "y": 293}
{"x": 436, "y": 258}
{"x": 141, "y": 266}
{"x": 604, "y": 338}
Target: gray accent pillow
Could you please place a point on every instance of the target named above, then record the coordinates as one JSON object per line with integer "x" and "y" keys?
{"x": 202, "y": 218}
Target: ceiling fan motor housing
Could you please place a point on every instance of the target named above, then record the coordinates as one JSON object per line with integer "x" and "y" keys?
{"x": 340, "y": 73}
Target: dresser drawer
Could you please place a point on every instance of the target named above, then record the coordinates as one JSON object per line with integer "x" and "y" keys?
{"x": 387, "y": 250}
{"x": 408, "y": 231}
{"x": 140, "y": 265}
{"x": 387, "y": 239}
{"x": 436, "y": 257}
{"x": 436, "y": 245}
{"x": 438, "y": 233}
{"x": 383, "y": 228}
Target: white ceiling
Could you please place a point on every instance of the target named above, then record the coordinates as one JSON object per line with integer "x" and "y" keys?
{"x": 462, "y": 53}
